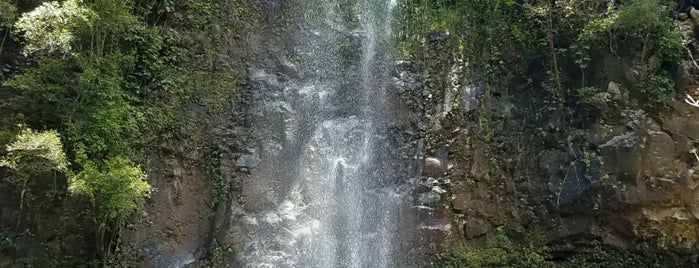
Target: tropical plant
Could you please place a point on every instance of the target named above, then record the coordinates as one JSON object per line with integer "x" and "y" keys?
{"x": 31, "y": 155}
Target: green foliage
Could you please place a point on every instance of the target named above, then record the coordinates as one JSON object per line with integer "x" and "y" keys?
{"x": 640, "y": 27}
{"x": 117, "y": 187}
{"x": 593, "y": 255}
{"x": 35, "y": 153}
{"x": 84, "y": 98}
{"x": 655, "y": 91}
{"x": 544, "y": 43}
{"x": 221, "y": 188}
{"x": 602, "y": 26}
{"x": 199, "y": 15}
{"x": 106, "y": 121}
{"x": 49, "y": 27}
{"x": 112, "y": 77}
{"x": 6, "y": 242}
{"x": 31, "y": 156}
{"x": 589, "y": 255}
{"x": 592, "y": 97}
{"x": 532, "y": 257}
{"x": 8, "y": 13}
{"x": 43, "y": 92}
{"x": 124, "y": 256}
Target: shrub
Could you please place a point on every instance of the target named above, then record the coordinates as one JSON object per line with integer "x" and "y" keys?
{"x": 655, "y": 91}
{"x": 116, "y": 187}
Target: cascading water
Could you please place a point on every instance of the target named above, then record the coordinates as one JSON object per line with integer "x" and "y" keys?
{"x": 333, "y": 187}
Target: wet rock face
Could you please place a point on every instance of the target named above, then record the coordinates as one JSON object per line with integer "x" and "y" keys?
{"x": 620, "y": 178}
{"x": 180, "y": 209}
{"x": 649, "y": 187}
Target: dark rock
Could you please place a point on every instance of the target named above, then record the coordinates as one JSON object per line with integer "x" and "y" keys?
{"x": 439, "y": 36}
{"x": 682, "y": 145}
{"x": 571, "y": 226}
{"x": 683, "y": 126}
{"x": 621, "y": 155}
{"x": 578, "y": 179}
{"x": 476, "y": 227}
{"x": 640, "y": 121}
{"x": 551, "y": 162}
{"x": 659, "y": 154}
{"x": 460, "y": 201}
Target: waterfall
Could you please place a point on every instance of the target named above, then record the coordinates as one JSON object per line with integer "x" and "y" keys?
{"x": 333, "y": 187}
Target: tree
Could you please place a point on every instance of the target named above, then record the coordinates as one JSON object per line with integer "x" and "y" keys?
{"x": 49, "y": 27}
{"x": 116, "y": 188}
{"x": 34, "y": 154}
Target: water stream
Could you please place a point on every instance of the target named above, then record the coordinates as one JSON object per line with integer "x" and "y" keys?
{"x": 333, "y": 186}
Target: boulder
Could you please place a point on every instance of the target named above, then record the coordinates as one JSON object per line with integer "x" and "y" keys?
{"x": 247, "y": 161}
{"x": 659, "y": 154}
{"x": 615, "y": 90}
{"x": 621, "y": 155}
{"x": 694, "y": 13}
{"x": 434, "y": 167}
{"x": 476, "y": 227}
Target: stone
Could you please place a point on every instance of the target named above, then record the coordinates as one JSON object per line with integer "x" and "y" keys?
{"x": 640, "y": 121}
{"x": 177, "y": 171}
{"x": 683, "y": 126}
{"x": 438, "y": 190}
{"x": 434, "y": 167}
{"x": 682, "y": 144}
{"x": 633, "y": 75}
{"x": 470, "y": 96}
{"x": 476, "y": 227}
{"x": 264, "y": 78}
{"x": 660, "y": 214}
{"x": 621, "y": 155}
{"x": 460, "y": 202}
{"x": 615, "y": 90}
{"x": 247, "y": 161}
{"x": 694, "y": 13}
{"x": 429, "y": 198}
{"x": 577, "y": 180}
{"x": 659, "y": 154}
{"x": 683, "y": 16}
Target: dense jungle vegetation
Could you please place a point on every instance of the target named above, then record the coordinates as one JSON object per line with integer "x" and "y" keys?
{"x": 87, "y": 88}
